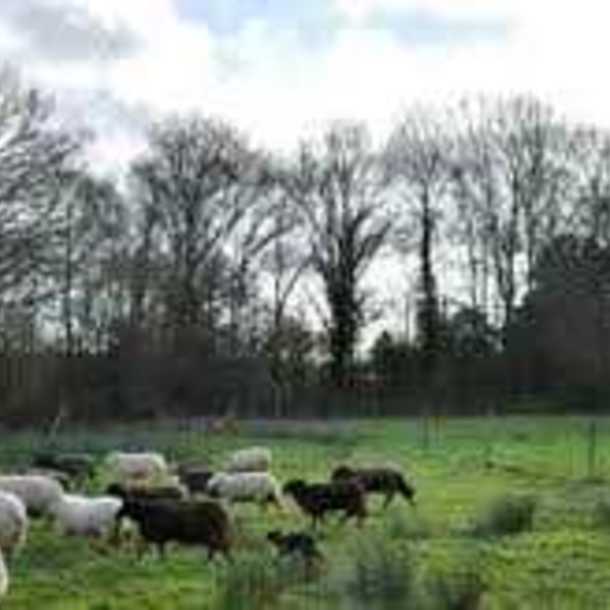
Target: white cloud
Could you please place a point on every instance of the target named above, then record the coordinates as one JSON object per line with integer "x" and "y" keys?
{"x": 266, "y": 80}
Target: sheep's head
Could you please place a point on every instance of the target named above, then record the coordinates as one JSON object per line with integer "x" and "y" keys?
{"x": 409, "y": 493}
{"x": 131, "y": 508}
{"x": 116, "y": 489}
{"x": 343, "y": 472}
{"x": 295, "y": 487}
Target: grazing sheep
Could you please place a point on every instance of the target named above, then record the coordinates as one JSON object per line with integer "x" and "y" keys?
{"x": 160, "y": 492}
{"x": 253, "y": 459}
{"x": 137, "y": 466}
{"x": 190, "y": 522}
{"x": 13, "y": 524}
{"x": 195, "y": 479}
{"x": 37, "y": 492}
{"x": 316, "y": 499}
{"x": 3, "y": 577}
{"x": 295, "y": 543}
{"x": 78, "y": 466}
{"x": 61, "y": 477}
{"x": 381, "y": 480}
{"x": 259, "y": 487}
{"x": 90, "y": 517}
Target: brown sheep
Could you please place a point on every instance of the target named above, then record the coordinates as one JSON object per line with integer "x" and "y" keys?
{"x": 381, "y": 480}
{"x": 184, "y": 521}
{"x": 316, "y": 499}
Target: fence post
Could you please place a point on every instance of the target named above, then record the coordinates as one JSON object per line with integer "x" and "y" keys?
{"x": 591, "y": 448}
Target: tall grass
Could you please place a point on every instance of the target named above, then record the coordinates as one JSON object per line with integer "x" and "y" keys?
{"x": 506, "y": 515}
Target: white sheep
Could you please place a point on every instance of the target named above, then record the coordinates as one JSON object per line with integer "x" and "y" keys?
{"x": 3, "y": 577}
{"x": 37, "y": 492}
{"x": 128, "y": 467}
{"x": 13, "y": 523}
{"x": 91, "y": 517}
{"x": 260, "y": 487}
{"x": 253, "y": 459}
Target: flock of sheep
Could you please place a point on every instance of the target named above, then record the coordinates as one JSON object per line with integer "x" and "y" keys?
{"x": 188, "y": 503}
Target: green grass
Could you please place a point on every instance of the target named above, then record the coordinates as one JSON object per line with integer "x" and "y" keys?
{"x": 469, "y": 529}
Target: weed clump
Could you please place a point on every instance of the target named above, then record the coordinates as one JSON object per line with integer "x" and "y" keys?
{"x": 507, "y": 515}
{"x": 381, "y": 574}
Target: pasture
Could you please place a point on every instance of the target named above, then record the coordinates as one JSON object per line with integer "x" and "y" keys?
{"x": 466, "y": 545}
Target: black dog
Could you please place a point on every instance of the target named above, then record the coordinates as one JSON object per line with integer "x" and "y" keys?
{"x": 295, "y": 543}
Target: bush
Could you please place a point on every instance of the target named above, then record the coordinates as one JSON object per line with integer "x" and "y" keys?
{"x": 460, "y": 592}
{"x": 509, "y": 514}
{"x": 252, "y": 583}
{"x": 381, "y": 573}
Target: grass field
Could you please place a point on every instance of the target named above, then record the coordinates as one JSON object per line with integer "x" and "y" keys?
{"x": 545, "y": 546}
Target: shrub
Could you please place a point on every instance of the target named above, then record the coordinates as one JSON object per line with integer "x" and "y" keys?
{"x": 459, "y": 592}
{"x": 508, "y": 514}
{"x": 381, "y": 573}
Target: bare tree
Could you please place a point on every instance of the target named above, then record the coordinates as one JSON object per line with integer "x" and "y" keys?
{"x": 337, "y": 185}
{"x": 199, "y": 181}
{"x": 32, "y": 151}
{"x": 87, "y": 262}
{"x": 284, "y": 262}
{"x": 511, "y": 175}
{"x": 418, "y": 157}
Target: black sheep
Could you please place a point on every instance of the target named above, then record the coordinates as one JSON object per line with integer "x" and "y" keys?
{"x": 195, "y": 479}
{"x": 382, "y": 480}
{"x": 295, "y": 543}
{"x": 79, "y": 466}
{"x": 187, "y": 522}
{"x": 316, "y": 499}
{"x": 159, "y": 492}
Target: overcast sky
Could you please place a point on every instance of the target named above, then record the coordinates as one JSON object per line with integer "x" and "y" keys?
{"x": 280, "y": 67}
{"x": 277, "y": 67}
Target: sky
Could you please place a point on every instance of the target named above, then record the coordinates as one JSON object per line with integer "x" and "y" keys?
{"x": 282, "y": 68}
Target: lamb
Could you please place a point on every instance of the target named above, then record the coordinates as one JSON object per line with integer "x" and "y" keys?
{"x": 78, "y": 466}
{"x": 37, "y": 492}
{"x": 90, "y": 517}
{"x": 382, "y": 480}
{"x": 137, "y": 466}
{"x": 195, "y": 479}
{"x": 253, "y": 459}
{"x": 295, "y": 543}
{"x": 13, "y": 524}
{"x": 259, "y": 487}
{"x": 315, "y": 499}
{"x": 190, "y": 522}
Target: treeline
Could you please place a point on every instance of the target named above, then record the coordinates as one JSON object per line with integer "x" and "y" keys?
{"x": 188, "y": 287}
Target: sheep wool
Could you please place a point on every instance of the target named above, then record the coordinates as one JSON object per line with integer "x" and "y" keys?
{"x": 82, "y": 516}
{"x": 243, "y": 486}
{"x": 137, "y": 466}
{"x": 253, "y": 459}
{"x": 13, "y": 523}
{"x": 37, "y": 492}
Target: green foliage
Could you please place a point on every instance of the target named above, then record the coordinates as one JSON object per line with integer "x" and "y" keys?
{"x": 403, "y": 557}
{"x": 508, "y": 514}
{"x": 382, "y": 572}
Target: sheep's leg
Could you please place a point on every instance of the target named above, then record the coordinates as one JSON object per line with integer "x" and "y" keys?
{"x": 389, "y": 496}
{"x": 141, "y": 547}
{"x": 227, "y": 555}
{"x": 161, "y": 549}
